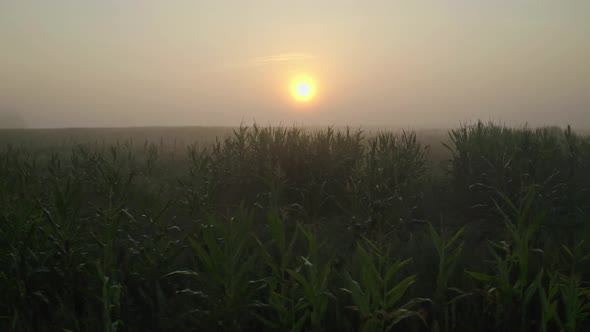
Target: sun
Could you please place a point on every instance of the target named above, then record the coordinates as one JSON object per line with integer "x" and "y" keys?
{"x": 303, "y": 88}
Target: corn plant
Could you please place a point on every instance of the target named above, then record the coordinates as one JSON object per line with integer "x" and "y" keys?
{"x": 198, "y": 188}
{"x": 510, "y": 288}
{"x": 488, "y": 157}
{"x": 154, "y": 245}
{"x": 152, "y": 157}
{"x": 549, "y": 300}
{"x": 279, "y": 303}
{"x": 448, "y": 252}
{"x": 223, "y": 257}
{"x": 576, "y": 300}
{"x": 312, "y": 276}
{"x": 377, "y": 293}
{"x": 575, "y": 295}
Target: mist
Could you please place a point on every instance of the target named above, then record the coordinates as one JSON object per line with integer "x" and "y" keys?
{"x": 220, "y": 63}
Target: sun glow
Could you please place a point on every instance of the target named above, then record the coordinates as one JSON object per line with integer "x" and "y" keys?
{"x": 303, "y": 88}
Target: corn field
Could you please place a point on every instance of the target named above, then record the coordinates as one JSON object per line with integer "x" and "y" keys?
{"x": 288, "y": 229}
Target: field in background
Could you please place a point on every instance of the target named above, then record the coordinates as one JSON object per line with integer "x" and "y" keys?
{"x": 479, "y": 228}
{"x": 169, "y": 138}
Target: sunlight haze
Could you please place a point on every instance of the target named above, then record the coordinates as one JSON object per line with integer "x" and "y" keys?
{"x": 398, "y": 63}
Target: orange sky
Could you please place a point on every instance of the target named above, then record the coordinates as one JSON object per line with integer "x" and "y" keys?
{"x": 418, "y": 63}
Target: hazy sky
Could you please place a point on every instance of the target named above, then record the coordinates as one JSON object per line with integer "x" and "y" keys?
{"x": 417, "y": 63}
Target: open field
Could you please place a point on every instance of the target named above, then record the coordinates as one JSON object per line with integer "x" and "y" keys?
{"x": 480, "y": 228}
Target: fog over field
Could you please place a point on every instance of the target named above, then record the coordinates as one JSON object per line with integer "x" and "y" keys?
{"x": 429, "y": 64}
{"x": 302, "y": 166}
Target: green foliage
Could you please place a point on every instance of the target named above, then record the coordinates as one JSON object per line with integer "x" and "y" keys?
{"x": 448, "y": 252}
{"x": 279, "y": 304}
{"x": 263, "y": 229}
{"x": 489, "y": 158}
{"x": 312, "y": 277}
{"x": 510, "y": 288}
{"x": 223, "y": 262}
{"x": 377, "y": 291}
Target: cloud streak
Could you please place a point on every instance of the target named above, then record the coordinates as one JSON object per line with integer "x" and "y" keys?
{"x": 283, "y": 57}
{"x": 268, "y": 60}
